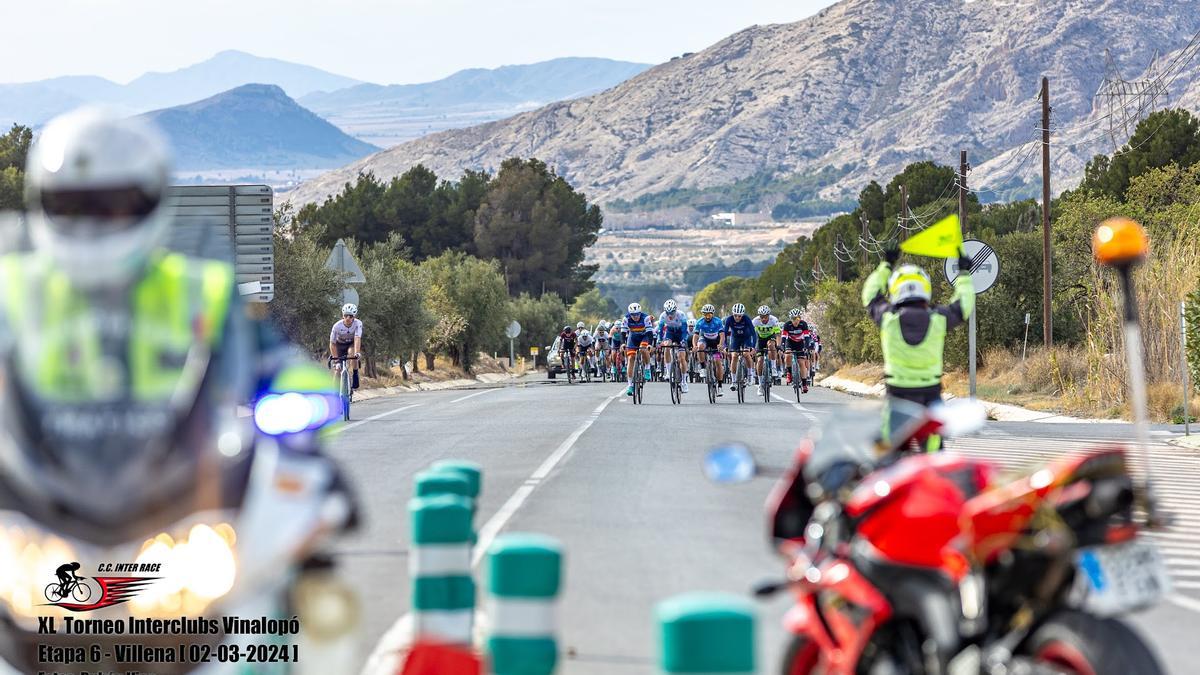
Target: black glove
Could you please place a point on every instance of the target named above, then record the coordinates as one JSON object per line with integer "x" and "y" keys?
{"x": 964, "y": 264}
{"x": 891, "y": 254}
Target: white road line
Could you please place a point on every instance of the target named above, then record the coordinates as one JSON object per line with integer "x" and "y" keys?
{"x": 384, "y": 658}
{"x": 375, "y": 417}
{"x": 1184, "y": 601}
{"x": 803, "y": 411}
{"x": 478, "y": 393}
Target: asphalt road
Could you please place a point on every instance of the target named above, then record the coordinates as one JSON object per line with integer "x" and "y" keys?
{"x": 621, "y": 486}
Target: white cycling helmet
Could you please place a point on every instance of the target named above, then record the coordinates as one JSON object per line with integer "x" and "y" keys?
{"x": 763, "y": 310}
{"x": 793, "y": 313}
{"x": 581, "y": 325}
{"x": 669, "y": 306}
{"x": 634, "y": 308}
{"x": 350, "y": 308}
{"x": 624, "y": 324}
{"x": 584, "y": 332}
{"x": 739, "y": 309}
{"x": 96, "y": 187}
{"x": 907, "y": 284}
{"x": 691, "y": 323}
{"x": 708, "y": 309}
{"x": 603, "y": 325}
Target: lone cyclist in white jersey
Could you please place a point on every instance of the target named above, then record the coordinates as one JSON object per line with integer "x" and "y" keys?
{"x": 345, "y": 339}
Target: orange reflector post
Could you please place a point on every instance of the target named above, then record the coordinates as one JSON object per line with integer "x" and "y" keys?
{"x": 1119, "y": 241}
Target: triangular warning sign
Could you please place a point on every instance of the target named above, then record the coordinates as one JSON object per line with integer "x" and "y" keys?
{"x": 342, "y": 261}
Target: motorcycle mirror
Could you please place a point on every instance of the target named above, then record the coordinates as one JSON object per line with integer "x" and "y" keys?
{"x": 960, "y": 416}
{"x": 732, "y": 463}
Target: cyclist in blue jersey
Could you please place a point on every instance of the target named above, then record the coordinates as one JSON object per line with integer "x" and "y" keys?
{"x": 673, "y": 332}
{"x": 639, "y": 324}
{"x": 739, "y": 335}
{"x": 709, "y": 335}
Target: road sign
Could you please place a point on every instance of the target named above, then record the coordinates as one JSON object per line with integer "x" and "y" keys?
{"x": 231, "y": 223}
{"x": 342, "y": 261}
{"x": 985, "y": 265}
{"x": 513, "y": 330}
{"x": 533, "y": 351}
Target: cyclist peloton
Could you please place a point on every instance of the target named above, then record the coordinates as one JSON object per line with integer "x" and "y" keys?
{"x": 798, "y": 338}
{"x": 766, "y": 329}
{"x": 673, "y": 332}
{"x": 639, "y": 324}
{"x": 345, "y": 338}
{"x": 739, "y": 334}
{"x": 709, "y": 334}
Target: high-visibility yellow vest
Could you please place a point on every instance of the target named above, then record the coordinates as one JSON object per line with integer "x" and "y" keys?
{"x": 179, "y": 303}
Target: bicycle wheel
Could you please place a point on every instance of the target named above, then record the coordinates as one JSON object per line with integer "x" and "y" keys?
{"x": 796, "y": 381}
{"x": 766, "y": 378}
{"x": 676, "y": 384}
{"x": 740, "y": 380}
{"x": 52, "y": 592}
{"x": 638, "y": 380}
{"x": 711, "y": 381}
{"x": 569, "y": 364}
{"x": 81, "y": 592}
{"x": 345, "y": 393}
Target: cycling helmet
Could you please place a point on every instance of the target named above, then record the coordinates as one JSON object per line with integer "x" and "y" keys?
{"x": 585, "y": 333}
{"x": 624, "y": 324}
{"x": 96, "y": 190}
{"x": 763, "y": 310}
{"x": 568, "y": 327}
{"x": 581, "y": 325}
{"x": 793, "y": 313}
{"x": 669, "y": 306}
{"x": 634, "y": 308}
{"x": 350, "y": 308}
{"x": 691, "y": 323}
{"x": 909, "y": 283}
{"x": 708, "y": 309}
{"x": 603, "y": 325}
{"x": 739, "y": 309}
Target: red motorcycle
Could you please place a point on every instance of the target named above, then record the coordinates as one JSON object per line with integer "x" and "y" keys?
{"x": 906, "y": 563}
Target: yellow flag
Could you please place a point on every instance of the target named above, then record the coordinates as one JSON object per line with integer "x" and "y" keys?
{"x": 943, "y": 239}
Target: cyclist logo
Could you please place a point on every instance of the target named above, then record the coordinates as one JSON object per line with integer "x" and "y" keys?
{"x": 73, "y": 592}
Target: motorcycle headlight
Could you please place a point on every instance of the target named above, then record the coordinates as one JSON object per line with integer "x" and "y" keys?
{"x": 27, "y": 555}
{"x": 197, "y": 569}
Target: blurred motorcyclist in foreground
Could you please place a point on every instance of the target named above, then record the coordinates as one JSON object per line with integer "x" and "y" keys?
{"x": 123, "y": 369}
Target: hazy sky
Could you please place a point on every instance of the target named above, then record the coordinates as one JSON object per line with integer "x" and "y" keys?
{"x": 385, "y": 41}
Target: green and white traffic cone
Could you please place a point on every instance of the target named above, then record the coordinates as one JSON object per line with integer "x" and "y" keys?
{"x": 439, "y": 564}
{"x": 524, "y": 576}
{"x": 433, "y": 482}
{"x": 706, "y": 633}
{"x": 469, "y": 470}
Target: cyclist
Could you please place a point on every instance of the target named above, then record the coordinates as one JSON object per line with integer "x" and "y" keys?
{"x": 739, "y": 334}
{"x": 566, "y": 345}
{"x": 620, "y": 336}
{"x": 709, "y": 335}
{"x": 143, "y": 355}
{"x": 816, "y": 360}
{"x": 345, "y": 338}
{"x": 67, "y": 577}
{"x": 603, "y": 346}
{"x": 766, "y": 329}
{"x": 798, "y": 338}
{"x": 673, "y": 332}
{"x": 913, "y": 333}
{"x": 639, "y": 324}
{"x": 585, "y": 347}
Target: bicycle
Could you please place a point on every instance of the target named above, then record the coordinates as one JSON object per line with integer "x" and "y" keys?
{"x": 568, "y": 360}
{"x": 345, "y": 391}
{"x": 638, "y": 380}
{"x": 798, "y": 383}
{"x": 603, "y": 361}
{"x": 76, "y": 589}
{"x": 739, "y": 376}
{"x": 585, "y": 374}
{"x": 767, "y": 376}
{"x": 710, "y": 378}
{"x": 676, "y": 373}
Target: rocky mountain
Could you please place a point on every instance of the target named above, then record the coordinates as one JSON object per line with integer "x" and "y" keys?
{"x": 387, "y": 115}
{"x": 33, "y": 103}
{"x": 254, "y": 126}
{"x": 868, "y": 85}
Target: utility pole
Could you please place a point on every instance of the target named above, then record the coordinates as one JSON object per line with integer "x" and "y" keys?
{"x": 962, "y": 191}
{"x": 862, "y": 244}
{"x": 962, "y": 221}
{"x": 903, "y": 217}
{"x": 1047, "y": 319}
{"x": 838, "y": 257}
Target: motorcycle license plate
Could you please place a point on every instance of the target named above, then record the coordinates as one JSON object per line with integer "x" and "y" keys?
{"x": 1120, "y": 578}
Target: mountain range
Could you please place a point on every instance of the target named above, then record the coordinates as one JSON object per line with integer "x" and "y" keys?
{"x": 254, "y": 126}
{"x": 864, "y": 86}
{"x": 33, "y": 103}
